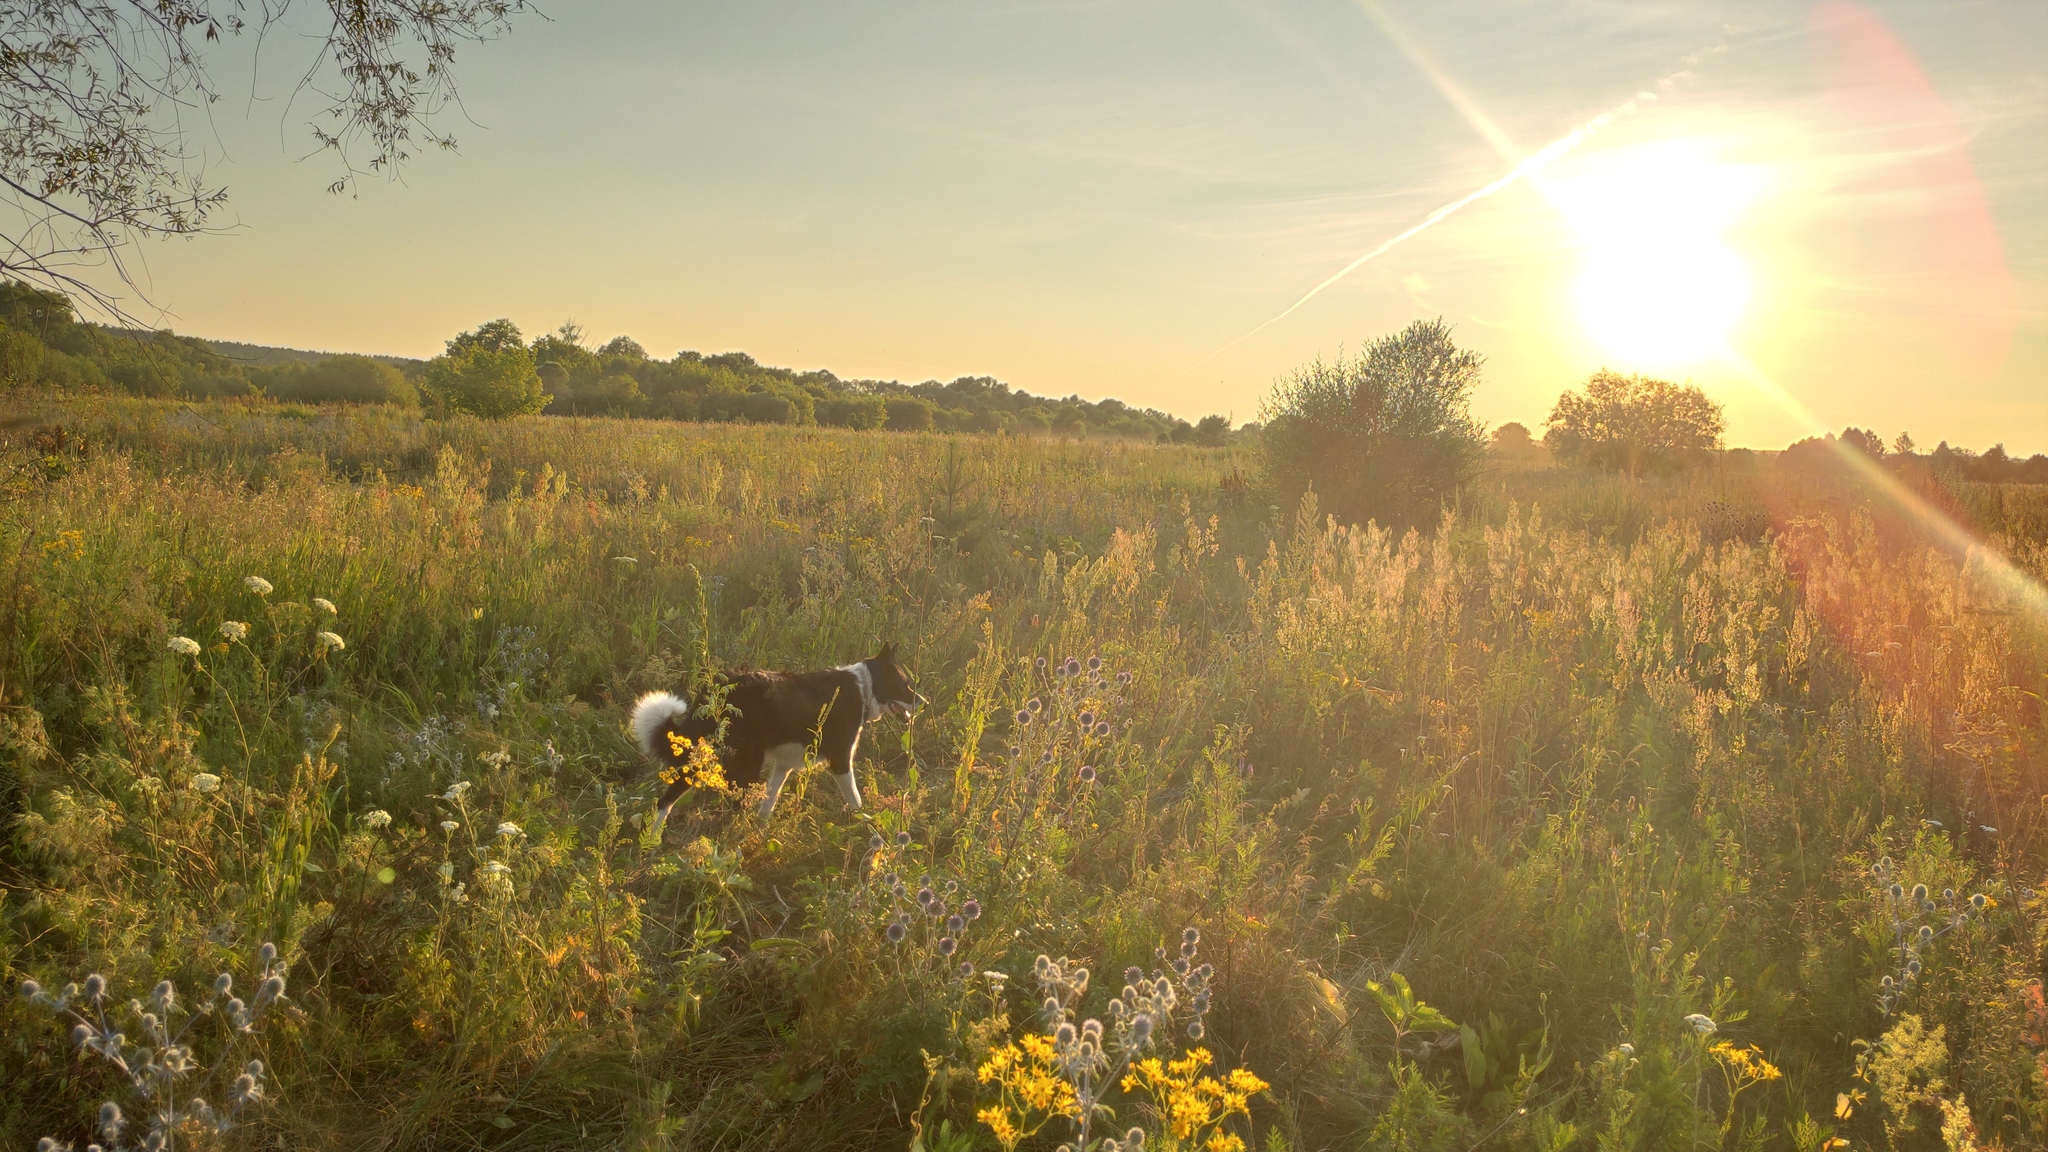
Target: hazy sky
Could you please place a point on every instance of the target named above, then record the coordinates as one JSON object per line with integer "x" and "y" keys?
{"x": 1096, "y": 197}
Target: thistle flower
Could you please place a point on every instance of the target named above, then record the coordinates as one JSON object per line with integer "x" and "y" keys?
{"x": 1087, "y": 774}
{"x": 1101, "y": 729}
{"x": 222, "y": 983}
{"x": 1919, "y": 893}
{"x": 971, "y": 910}
{"x": 946, "y": 945}
{"x": 1041, "y": 663}
{"x": 257, "y": 584}
{"x": 30, "y": 990}
{"x": 376, "y": 818}
{"x": 876, "y": 843}
{"x": 326, "y": 605}
{"x": 1023, "y": 716}
{"x": 234, "y": 631}
{"x": 956, "y": 923}
{"x": 896, "y": 931}
{"x": 450, "y": 825}
{"x": 902, "y": 838}
{"x": 509, "y": 830}
{"x": 1123, "y": 677}
{"x": 1978, "y": 901}
{"x": 329, "y": 641}
{"x": 205, "y": 782}
{"x": 1072, "y": 667}
{"x": 111, "y": 1121}
{"x": 1095, "y": 663}
{"x": 1034, "y": 704}
{"x": 1087, "y": 719}
{"x": 183, "y": 646}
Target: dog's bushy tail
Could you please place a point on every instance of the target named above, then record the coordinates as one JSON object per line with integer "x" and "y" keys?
{"x": 655, "y": 716}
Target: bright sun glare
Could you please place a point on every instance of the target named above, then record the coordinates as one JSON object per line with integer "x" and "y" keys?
{"x": 1660, "y": 287}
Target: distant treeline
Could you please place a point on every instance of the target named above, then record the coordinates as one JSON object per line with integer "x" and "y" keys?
{"x": 44, "y": 345}
{"x": 1994, "y": 466}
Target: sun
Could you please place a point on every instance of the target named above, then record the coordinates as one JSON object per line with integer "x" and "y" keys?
{"x": 1660, "y": 286}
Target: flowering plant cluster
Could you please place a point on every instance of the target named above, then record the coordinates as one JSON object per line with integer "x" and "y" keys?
{"x": 161, "y": 1054}
{"x": 927, "y": 918}
{"x": 700, "y": 767}
{"x": 1089, "y": 1058}
{"x": 1917, "y": 920}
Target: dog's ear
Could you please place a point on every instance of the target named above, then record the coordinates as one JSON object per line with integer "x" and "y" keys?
{"x": 888, "y": 652}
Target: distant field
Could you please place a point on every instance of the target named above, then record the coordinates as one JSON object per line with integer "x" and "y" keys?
{"x": 1593, "y": 758}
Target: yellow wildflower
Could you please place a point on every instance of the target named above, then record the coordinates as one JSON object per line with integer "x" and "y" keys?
{"x": 700, "y": 768}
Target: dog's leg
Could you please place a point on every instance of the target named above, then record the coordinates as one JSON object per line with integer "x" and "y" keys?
{"x": 781, "y": 760}
{"x": 842, "y": 772}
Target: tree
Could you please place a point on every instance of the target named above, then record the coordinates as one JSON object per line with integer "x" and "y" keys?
{"x": 1633, "y": 423}
{"x": 487, "y": 382}
{"x": 1212, "y": 430}
{"x": 1384, "y": 436}
{"x": 491, "y": 336}
{"x": 93, "y": 151}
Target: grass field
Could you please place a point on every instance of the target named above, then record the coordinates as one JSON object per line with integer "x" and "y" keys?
{"x": 1616, "y": 776}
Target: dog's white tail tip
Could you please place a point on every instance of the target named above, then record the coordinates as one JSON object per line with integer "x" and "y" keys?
{"x": 650, "y": 713}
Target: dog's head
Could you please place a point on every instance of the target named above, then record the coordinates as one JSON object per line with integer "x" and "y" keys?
{"x": 892, "y": 684}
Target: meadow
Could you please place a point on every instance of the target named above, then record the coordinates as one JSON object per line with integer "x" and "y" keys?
{"x": 1601, "y": 814}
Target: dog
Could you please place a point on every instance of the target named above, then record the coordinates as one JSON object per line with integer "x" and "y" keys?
{"x": 774, "y": 718}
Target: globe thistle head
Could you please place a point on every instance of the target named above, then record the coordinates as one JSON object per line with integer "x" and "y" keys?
{"x": 1072, "y": 667}
{"x": 30, "y": 990}
{"x": 1123, "y": 677}
{"x": 95, "y": 987}
{"x": 111, "y": 1120}
{"x": 1925, "y": 936}
{"x": 1095, "y": 663}
{"x": 947, "y": 945}
{"x": 1190, "y": 936}
{"x": 1087, "y": 719}
{"x": 164, "y": 994}
{"x": 1978, "y": 901}
{"x": 1897, "y": 891}
{"x": 1948, "y": 894}
{"x": 1034, "y": 705}
{"x": 956, "y": 923}
{"x": 1101, "y": 729}
{"x": 971, "y": 910}
{"x": 1023, "y": 717}
{"x": 80, "y": 1035}
{"x": 1195, "y": 1030}
{"x": 222, "y": 983}
{"x": 902, "y": 838}
{"x": 876, "y": 843}
{"x": 896, "y": 931}
{"x": 1046, "y": 757}
{"x": 1919, "y": 893}
{"x": 1064, "y": 1035}
{"x": 1041, "y": 663}
{"x": 1141, "y": 1029}
{"x": 1087, "y": 774}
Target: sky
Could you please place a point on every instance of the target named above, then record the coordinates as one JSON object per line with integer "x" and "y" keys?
{"x": 1824, "y": 215}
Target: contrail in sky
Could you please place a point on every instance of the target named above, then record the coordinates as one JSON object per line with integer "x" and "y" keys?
{"x": 1527, "y": 167}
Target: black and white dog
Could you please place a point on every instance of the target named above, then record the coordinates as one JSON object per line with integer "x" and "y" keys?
{"x": 774, "y": 718}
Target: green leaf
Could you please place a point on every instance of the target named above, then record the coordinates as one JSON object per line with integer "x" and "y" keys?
{"x": 502, "y": 1120}
{"x": 386, "y": 875}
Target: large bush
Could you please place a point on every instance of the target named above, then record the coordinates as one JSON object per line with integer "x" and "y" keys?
{"x": 1633, "y": 423}
{"x": 1383, "y": 436}
{"x": 486, "y": 383}
{"x": 345, "y": 379}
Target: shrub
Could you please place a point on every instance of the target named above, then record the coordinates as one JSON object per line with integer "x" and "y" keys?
{"x": 346, "y": 379}
{"x": 1381, "y": 437}
{"x": 859, "y": 412}
{"x": 909, "y": 414}
{"x": 487, "y": 383}
{"x": 1633, "y": 423}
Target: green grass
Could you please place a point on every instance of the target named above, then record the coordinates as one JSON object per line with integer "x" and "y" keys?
{"x": 1591, "y": 757}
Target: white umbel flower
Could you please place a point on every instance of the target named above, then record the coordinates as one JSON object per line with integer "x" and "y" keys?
{"x": 205, "y": 782}
{"x": 509, "y": 830}
{"x": 234, "y": 631}
{"x": 1704, "y": 1025}
{"x": 183, "y": 646}
{"x": 450, "y": 825}
{"x": 376, "y": 818}
{"x": 329, "y": 641}
{"x": 257, "y": 584}
{"x": 326, "y": 605}
{"x": 496, "y": 868}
